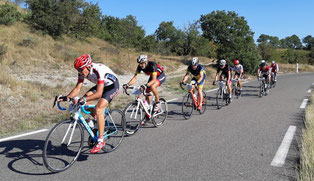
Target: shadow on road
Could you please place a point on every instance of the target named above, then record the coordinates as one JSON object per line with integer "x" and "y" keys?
{"x": 26, "y": 156}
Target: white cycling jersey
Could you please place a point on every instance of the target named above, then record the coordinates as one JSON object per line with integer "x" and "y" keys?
{"x": 238, "y": 69}
{"x": 99, "y": 74}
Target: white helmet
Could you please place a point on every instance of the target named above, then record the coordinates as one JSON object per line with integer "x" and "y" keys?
{"x": 273, "y": 62}
{"x": 142, "y": 59}
{"x": 194, "y": 61}
{"x": 263, "y": 61}
{"x": 222, "y": 62}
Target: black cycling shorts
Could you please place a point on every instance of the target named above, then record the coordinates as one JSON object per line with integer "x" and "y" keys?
{"x": 109, "y": 91}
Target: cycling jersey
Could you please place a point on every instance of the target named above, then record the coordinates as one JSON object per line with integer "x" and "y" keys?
{"x": 265, "y": 69}
{"x": 197, "y": 72}
{"x": 99, "y": 74}
{"x": 274, "y": 67}
{"x": 238, "y": 69}
{"x": 224, "y": 71}
{"x": 150, "y": 69}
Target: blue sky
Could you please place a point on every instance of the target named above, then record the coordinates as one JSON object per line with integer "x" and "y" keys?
{"x": 280, "y": 18}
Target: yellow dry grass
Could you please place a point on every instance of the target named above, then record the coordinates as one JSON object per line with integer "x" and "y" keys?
{"x": 307, "y": 151}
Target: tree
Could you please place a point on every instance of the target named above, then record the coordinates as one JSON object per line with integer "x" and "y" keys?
{"x": 309, "y": 42}
{"x": 292, "y": 42}
{"x": 9, "y": 14}
{"x": 232, "y": 36}
{"x": 52, "y": 16}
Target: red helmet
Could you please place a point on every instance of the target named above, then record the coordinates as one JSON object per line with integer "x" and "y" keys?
{"x": 82, "y": 61}
{"x": 236, "y": 62}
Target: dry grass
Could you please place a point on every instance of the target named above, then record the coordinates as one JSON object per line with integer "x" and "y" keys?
{"x": 307, "y": 152}
{"x": 292, "y": 68}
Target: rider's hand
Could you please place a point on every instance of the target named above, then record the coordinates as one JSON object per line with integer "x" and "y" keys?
{"x": 62, "y": 98}
{"x": 125, "y": 86}
{"x": 143, "y": 87}
{"x": 214, "y": 82}
{"x": 80, "y": 101}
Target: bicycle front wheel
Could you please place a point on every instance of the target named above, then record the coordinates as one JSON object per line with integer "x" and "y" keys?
{"x": 63, "y": 145}
{"x": 187, "y": 106}
{"x": 133, "y": 118}
{"x": 219, "y": 98}
{"x": 161, "y": 115}
{"x": 261, "y": 90}
{"x": 114, "y": 129}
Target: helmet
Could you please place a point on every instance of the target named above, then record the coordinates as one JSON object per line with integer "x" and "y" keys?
{"x": 273, "y": 62}
{"x": 142, "y": 59}
{"x": 222, "y": 62}
{"x": 263, "y": 61}
{"x": 236, "y": 62}
{"x": 82, "y": 61}
{"x": 194, "y": 61}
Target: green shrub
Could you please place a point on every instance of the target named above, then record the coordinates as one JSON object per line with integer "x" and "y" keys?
{"x": 9, "y": 14}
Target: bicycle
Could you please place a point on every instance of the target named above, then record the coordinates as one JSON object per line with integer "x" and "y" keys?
{"x": 138, "y": 110}
{"x": 222, "y": 96}
{"x": 64, "y": 142}
{"x": 272, "y": 80}
{"x": 236, "y": 88}
{"x": 190, "y": 101}
{"x": 263, "y": 88}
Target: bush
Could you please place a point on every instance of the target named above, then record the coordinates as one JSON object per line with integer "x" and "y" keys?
{"x": 9, "y": 14}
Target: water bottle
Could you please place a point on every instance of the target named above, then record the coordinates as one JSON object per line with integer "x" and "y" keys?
{"x": 195, "y": 96}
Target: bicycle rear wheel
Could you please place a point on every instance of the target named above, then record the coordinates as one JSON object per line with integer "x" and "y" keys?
{"x": 63, "y": 145}
{"x": 133, "y": 118}
{"x": 204, "y": 103}
{"x": 160, "y": 117}
{"x": 187, "y": 106}
{"x": 114, "y": 129}
{"x": 219, "y": 99}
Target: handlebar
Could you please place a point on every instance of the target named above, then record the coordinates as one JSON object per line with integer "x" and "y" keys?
{"x": 181, "y": 83}
{"x": 83, "y": 107}
{"x": 130, "y": 87}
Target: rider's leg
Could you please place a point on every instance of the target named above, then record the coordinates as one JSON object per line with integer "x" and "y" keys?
{"x": 92, "y": 110}
{"x": 200, "y": 95}
{"x": 154, "y": 90}
{"x": 229, "y": 87}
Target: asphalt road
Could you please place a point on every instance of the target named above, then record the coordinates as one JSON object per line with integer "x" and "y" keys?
{"x": 237, "y": 142}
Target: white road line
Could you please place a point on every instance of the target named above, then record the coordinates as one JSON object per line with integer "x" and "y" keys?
{"x": 304, "y": 102}
{"x": 309, "y": 91}
{"x": 172, "y": 100}
{"x": 281, "y": 154}
{"x": 211, "y": 90}
{"x": 21, "y": 135}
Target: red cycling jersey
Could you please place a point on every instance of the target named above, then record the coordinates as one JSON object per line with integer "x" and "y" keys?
{"x": 264, "y": 69}
{"x": 274, "y": 67}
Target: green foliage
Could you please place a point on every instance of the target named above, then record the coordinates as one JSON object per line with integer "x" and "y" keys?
{"x": 53, "y": 17}
{"x": 233, "y": 37}
{"x": 9, "y": 14}
{"x": 311, "y": 57}
{"x": 295, "y": 56}
{"x": 89, "y": 21}
{"x": 292, "y": 42}
{"x": 124, "y": 32}
{"x": 149, "y": 44}
{"x": 309, "y": 42}
{"x": 269, "y": 40}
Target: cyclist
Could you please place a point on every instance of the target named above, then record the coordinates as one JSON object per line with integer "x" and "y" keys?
{"x": 156, "y": 78}
{"x": 225, "y": 70}
{"x": 199, "y": 76}
{"x": 264, "y": 70}
{"x": 238, "y": 68}
{"x": 107, "y": 86}
{"x": 274, "y": 69}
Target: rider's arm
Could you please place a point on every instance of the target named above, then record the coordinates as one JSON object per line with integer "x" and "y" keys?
{"x": 216, "y": 77}
{"x": 185, "y": 78}
{"x": 229, "y": 75}
{"x": 76, "y": 90}
{"x": 201, "y": 77}
{"x": 258, "y": 72}
{"x": 133, "y": 80}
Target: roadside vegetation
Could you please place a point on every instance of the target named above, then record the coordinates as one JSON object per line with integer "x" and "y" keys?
{"x": 307, "y": 150}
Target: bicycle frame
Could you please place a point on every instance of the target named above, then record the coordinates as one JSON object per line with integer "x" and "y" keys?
{"x": 148, "y": 111}
{"x": 78, "y": 116}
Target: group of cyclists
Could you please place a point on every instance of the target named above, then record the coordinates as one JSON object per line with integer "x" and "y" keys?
{"x": 107, "y": 83}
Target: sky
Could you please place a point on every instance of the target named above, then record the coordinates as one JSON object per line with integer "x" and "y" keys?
{"x": 279, "y": 18}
